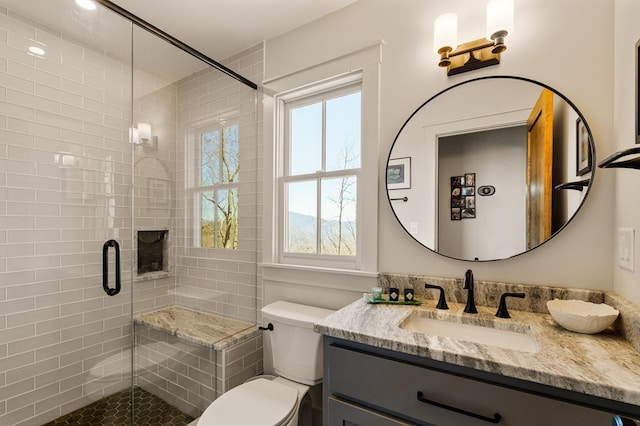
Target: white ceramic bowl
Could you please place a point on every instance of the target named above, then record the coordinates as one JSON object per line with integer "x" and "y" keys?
{"x": 582, "y": 317}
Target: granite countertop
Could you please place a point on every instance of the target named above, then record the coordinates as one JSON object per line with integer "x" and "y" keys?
{"x": 203, "y": 328}
{"x": 604, "y": 365}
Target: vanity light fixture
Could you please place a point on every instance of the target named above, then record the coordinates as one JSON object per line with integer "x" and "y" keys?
{"x": 475, "y": 54}
{"x": 141, "y": 135}
{"x": 66, "y": 160}
{"x": 144, "y": 132}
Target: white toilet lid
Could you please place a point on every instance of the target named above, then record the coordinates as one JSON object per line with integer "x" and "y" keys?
{"x": 257, "y": 402}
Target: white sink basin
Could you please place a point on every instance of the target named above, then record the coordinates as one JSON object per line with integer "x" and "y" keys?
{"x": 517, "y": 340}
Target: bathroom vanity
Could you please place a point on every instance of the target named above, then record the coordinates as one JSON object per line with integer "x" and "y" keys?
{"x": 379, "y": 373}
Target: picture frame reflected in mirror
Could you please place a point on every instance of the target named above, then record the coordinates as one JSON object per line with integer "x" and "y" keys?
{"x": 583, "y": 149}
{"x": 463, "y": 196}
{"x": 399, "y": 173}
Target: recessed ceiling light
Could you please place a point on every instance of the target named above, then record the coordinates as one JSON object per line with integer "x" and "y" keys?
{"x": 37, "y": 50}
{"x": 86, "y": 4}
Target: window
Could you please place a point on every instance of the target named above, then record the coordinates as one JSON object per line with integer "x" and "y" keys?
{"x": 321, "y": 172}
{"x": 216, "y": 196}
{"x": 323, "y": 180}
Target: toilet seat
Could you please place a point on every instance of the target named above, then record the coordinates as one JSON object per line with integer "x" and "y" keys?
{"x": 257, "y": 402}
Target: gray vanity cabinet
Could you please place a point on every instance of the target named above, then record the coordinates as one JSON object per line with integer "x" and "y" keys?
{"x": 368, "y": 387}
{"x": 345, "y": 413}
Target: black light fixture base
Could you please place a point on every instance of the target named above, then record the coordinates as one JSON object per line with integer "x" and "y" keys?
{"x": 616, "y": 160}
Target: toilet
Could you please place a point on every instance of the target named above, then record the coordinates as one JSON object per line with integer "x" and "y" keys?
{"x": 281, "y": 400}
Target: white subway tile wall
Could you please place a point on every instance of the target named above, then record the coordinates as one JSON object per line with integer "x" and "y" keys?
{"x": 67, "y": 171}
{"x": 223, "y": 282}
{"x": 65, "y": 164}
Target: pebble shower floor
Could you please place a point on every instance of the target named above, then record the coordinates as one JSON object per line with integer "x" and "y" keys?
{"x": 115, "y": 410}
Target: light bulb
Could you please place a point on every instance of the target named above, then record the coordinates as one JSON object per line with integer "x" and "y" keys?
{"x": 499, "y": 18}
{"x": 445, "y": 32}
{"x": 144, "y": 131}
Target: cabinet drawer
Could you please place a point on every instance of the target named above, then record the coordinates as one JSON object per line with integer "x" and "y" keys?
{"x": 392, "y": 386}
{"x": 344, "y": 413}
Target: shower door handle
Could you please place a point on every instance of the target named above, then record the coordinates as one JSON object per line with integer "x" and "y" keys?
{"x": 105, "y": 267}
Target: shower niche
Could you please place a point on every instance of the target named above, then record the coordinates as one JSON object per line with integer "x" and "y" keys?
{"x": 153, "y": 252}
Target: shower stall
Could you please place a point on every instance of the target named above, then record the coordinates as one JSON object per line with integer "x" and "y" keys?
{"x": 128, "y": 213}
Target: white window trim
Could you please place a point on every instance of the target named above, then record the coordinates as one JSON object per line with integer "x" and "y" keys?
{"x": 362, "y": 65}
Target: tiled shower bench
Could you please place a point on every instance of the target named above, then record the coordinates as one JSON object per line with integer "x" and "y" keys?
{"x": 190, "y": 358}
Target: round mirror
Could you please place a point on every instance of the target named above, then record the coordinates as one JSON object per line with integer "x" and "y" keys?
{"x": 490, "y": 168}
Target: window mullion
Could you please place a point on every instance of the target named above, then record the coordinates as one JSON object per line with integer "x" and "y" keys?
{"x": 214, "y": 195}
{"x": 286, "y": 150}
{"x": 324, "y": 136}
{"x": 299, "y": 178}
{"x": 318, "y": 215}
{"x": 218, "y": 186}
{"x": 197, "y": 216}
{"x": 319, "y": 179}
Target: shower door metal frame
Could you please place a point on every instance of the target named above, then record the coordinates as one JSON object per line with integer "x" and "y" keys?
{"x": 170, "y": 39}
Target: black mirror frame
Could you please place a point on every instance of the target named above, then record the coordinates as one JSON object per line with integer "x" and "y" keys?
{"x": 592, "y": 159}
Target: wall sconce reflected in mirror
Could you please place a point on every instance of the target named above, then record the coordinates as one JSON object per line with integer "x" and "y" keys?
{"x": 141, "y": 135}
{"x": 66, "y": 160}
{"x": 475, "y": 54}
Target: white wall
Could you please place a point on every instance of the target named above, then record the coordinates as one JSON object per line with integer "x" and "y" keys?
{"x": 543, "y": 47}
{"x": 627, "y": 33}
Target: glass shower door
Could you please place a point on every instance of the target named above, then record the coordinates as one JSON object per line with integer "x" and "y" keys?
{"x": 161, "y": 395}
{"x": 66, "y": 166}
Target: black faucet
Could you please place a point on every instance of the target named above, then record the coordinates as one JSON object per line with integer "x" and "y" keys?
{"x": 502, "y": 307}
{"x": 467, "y": 284}
{"x": 442, "y": 302}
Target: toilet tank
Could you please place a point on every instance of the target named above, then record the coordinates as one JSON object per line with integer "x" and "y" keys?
{"x": 296, "y": 350}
